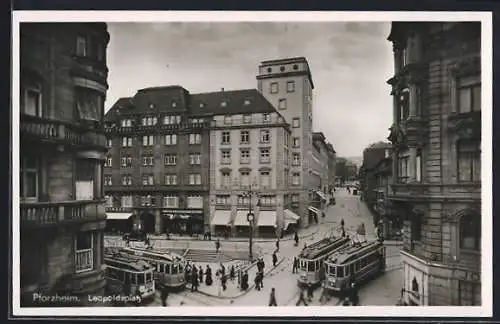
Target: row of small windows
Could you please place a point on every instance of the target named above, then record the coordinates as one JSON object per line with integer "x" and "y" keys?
{"x": 223, "y": 103}
{"x": 149, "y": 140}
{"x": 244, "y": 178}
{"x": 171, "y": 201}
{"x": 247, "y": 119}
{"x": 295, "y": 67}
{"x": 264, "y": 137}
{"x": 149, "y": 160}
{"x": 149, "y": 180}
{"x": 274, "y": 87}
{"x": 264, "y": 156}
{"x": 265, "y": 200}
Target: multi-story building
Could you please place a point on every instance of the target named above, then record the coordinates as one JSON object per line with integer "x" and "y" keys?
{"x": 332, "y": 164}
{"x": 288, "y": 85}
{"x": 249, "y": 164}
{"x": 319, "y": 174}
{"x": 63, "y": 84}
{"x": 436, "y": 139}
{"x": 156, "y": 172}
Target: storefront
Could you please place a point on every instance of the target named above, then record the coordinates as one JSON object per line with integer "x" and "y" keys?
{"x": 290, "y": 221}
{"x": 267, "y": 223}
{"x": 220, "y": 222}
{"x": 119, "y": 223}
{"x": 183, "y": 221}
{"x": 241, "y": 224}
{"x": 314, "y": 214}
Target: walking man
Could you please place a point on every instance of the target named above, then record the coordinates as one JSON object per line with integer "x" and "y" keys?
{"x": 275, "y": 259}
{"x": 295, "y": 263}
{"x": 278, "y": 245}
{"x": 164, "y": 295}
{"x": 301, "y": 298}
{"x": 296, "y": 238}
{"x": 272, "y": 298}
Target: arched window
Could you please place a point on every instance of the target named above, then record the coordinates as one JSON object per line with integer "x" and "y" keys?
{"x": 470, "y": 231}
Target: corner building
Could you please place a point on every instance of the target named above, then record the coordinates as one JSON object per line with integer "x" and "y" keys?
{"x": 287, "y": 84}
{"x": 63, "y": 83}
{"x": 436, "y": 138}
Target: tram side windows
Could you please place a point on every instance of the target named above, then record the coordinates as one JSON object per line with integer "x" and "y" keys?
{"x": 167, "y": 268}
{"x": 174, "y": 269}
{"x": 332, "y": 270}
{"x": 303, "y": 265}
{"x": 161, "y": 268}
{"x": 180, "y": 268}
{"x": 347, "y": 271}
{"x": 310, "y": 266}
{"x": 149, "y": 276}
{"x": 340, "y": 271}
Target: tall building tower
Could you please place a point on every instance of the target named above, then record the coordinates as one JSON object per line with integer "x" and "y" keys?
{"x": 288, "y": 85}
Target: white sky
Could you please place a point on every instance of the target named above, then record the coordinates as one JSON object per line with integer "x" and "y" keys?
{"x": 350, "y": 64}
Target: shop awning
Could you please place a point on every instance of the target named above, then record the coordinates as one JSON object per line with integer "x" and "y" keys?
{"x": 322, "y": 195}
{"x": 241, "y": 218}
{"x": 118, "y": 215}
{"x": 267, "y": 218}
{"x": 287, "y": 223}
{"x": 290, "y": 215}
{"x": 221, "y": 218}
{"x": 314, "y": 210}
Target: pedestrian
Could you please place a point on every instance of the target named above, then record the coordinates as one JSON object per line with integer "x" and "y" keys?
{"x": 296, "y": 238}
{"x": 301, "y": 298}
{"x": 272, "y": 298}
{"x": 232, "y": 273}
{"x": 194, "y": 279}
{"x": 354, "y": 294}
{"x": 257, "y": 281}
{"x": 343, "y": 232}
{"x": 217, "y": 246}
{"x": 275, "y": 259}
{"x": 310, "y": 292}
{"x": 200, "y": 275}
{"x": 261, "y": 279}
{"x": 277, "y": 245}
{"x": 342, "y": 223}
{"x": 222, "y": 269}
{"x": 244, "y": 281}
{"x": 240, "y": 275}
{"x": 223, "y": 280}
{"x": 164, "y": 295}
{"x": 294, "y": 266}
{"x": 208, "y": 276}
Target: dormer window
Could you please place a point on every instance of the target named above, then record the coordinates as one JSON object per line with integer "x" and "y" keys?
{"x": 295, "y": 67}
{"x": 247, "y": 102}
{"x": 282, "y": 69}
{"x": 223, "y": 104}
{"x": 202, "y": 105}
{"x": 151, "y": 106}
{"x": 174, "y": 104}
{"x": 228, "y": 120}
{"x": 269, "y": 70}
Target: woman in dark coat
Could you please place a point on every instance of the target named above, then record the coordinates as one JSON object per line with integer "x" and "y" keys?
{"x": 208, "y": 276}
{"x": 200, "y": 275}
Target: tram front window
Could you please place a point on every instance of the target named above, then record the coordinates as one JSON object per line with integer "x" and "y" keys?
{"x": 141, "y": 278}
{"x": 310, "y": 266}
{"x": 340, "y": 271}
{"x": 332, "y": 270}
{"x": 149, "y": 276}
{"x": 303, "y": 265}
{"x": 162, "y": 268}
{"x": 167, "y": 268}
{"x": 174, "y": 269}
{"x": 133, "y": 278}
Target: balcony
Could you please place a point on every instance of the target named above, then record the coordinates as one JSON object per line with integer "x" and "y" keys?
{"x": 466, "y": 125}
{"x": 59, "y": 132}
{"x": 60, "y": 213}
{"x": 119, "y": 209}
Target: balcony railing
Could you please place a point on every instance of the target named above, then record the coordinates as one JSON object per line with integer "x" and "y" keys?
{"x": 84, "y": 260}
{"x": 119, "y": 209}
{"x": 55, "y": 213}
{"x": 55, "y": 131}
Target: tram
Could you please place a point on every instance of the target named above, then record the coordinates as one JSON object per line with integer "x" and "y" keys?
{"x": 130, "y": 277}
{"x": 355, "y": 262}
{"x": 311, "y": 271}
{"x": 169, "y": 267}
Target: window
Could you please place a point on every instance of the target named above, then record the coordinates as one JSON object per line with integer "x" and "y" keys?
{"x": 265, "y": 155}
{"x": 149, "y": 121}
{"x": 126, "y": 141}
{"x": 109, "y": 201}
{"x": 194, "y": 201}
{"x": 295, "y": 67}
{"x": 225, "y": 157}
{"x": 226, "y": 138}
{"x": 282, "y": 104}
{"x": 265, "y": 136}
{"x": 170, "y": 179}
{"x": 266, "y": 118}
{"x": 226, "y": 179}
{"x": 296, "y": 122}
{"x": 170, "y": 159}
{"x": 295, "y": 178}
{"x": 403, "y": 172}
{"x": 296, "y": 142}
{"x": 416, "y": 228}
{"x": 418, "y": 166}
{"x": 126, "y": 122}
{"x": 86, "y": 185}
{"x": 290, "y": 86}
{"x": 469, "y": 161}
{"x": 265, "y": 179}
{"x": 223, "y": 200}
{"x": 245, "y": 179}
{"x": 267, "y": 200}
{"x": 194, "y": 158}
{"x": 404, "y": 104}
{"x": 108, "y": 181}
{"x": 109, "y": 142}
{"x": 194, "y": 139}
{"x": 247, "y": 119}
{"x": 246, "y": 102}
{"x": 274, "y": 87}
{"x": 148, "y": 160}
{"x": 148, "y": 140}
{"x": 82, "y": 46}
{"x": 147, "y": 180}
{"x": 171, "y": 139}
{"x": 171, "y": 201}
{"x": 469, "y": 94}
{"x": 126, "y": 180}
{"x": 29, "y": 177}
{"x": 243, "y": 200}
{"x": 84, "y": 251}
{"x": 89, "y": 103}
{"x": 223, "y": 104}
{"x": 245, "y": 156}
{"x": 296, "y": 158}
{"x": 109, "y": 162}
{"x": 171, "y": 120}
{"x": 228, "y": 120}
{"x": 148, "y": 201}
{"x": 126, "y": 161}
{"x": 32, "y": 97}
{"x": 470, "y": 232}
{"x": 244, "y": 137}
{"x": 127, "y": 201}
{"x": 295, "y": 198}
{"x": 195, "y": 179}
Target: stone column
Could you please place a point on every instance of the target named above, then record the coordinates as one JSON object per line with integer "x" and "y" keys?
{"x": 412, "y": 165}
{"x": 413, "y": 100}
{"x": 158, "y": 222}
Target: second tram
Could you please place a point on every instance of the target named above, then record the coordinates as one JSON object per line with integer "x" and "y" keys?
{"x": 311, "y": 270}
{"x": 355, "y": 262}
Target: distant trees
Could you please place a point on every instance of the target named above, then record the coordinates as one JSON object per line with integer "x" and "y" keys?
{"x": 345, "y": 169}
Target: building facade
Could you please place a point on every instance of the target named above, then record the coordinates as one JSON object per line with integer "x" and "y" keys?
{"x": 156, "y": 176}
{"x": 249, "y": 165}
{"x": 332, "y": 167}
{"x": 287, "y": 84}
{"x": 436, "y": 139}
{"x": 63, "y": 84}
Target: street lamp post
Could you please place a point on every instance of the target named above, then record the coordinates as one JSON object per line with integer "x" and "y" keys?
{"x": 250, "y": 219}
